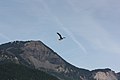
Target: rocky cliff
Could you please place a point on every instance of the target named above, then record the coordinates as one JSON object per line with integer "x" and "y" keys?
{"x": 37, "y": 55}
{"x": 104, "y": 74}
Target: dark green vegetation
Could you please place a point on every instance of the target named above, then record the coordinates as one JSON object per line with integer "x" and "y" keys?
{"x": 102, "y": 70}
{"x": 12, "y": 71}
{"x": 33, "y": 60}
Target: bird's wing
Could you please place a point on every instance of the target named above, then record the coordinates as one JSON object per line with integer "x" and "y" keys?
{"x": 59, "y": 35}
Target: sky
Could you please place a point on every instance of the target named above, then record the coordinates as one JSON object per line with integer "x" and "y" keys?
{"x": 91, "y": 28}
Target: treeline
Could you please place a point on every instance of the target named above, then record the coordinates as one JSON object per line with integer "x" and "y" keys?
{"x": 12, "y": 71}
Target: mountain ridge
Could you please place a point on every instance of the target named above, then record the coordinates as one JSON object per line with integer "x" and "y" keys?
{"x": 35, "y": 54}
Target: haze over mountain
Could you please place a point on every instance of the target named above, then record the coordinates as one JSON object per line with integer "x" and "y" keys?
{"x": 36, "y": 55}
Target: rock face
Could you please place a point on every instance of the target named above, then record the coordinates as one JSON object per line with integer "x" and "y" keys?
{"x": 35, "y": 54}
{"x": 118, "y": 75}
{"x": 38, "y": 55}
{"x": 104, "y": 74}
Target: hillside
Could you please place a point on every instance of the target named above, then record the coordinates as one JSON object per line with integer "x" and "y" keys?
{"x": 12, "y": 71}
{"x": 36, "y": 55}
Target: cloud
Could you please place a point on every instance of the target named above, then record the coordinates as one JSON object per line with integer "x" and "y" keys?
{"x": 86, "y": 25}
{"x": 96, "y": 35}
{"x": 78, "y": 6}
{"x": 59, "y": 22}
{"x": 4, "y": 37}
{"x": 75, "y": 40}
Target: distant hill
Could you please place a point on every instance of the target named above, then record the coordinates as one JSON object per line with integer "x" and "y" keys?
{"x": 35, "y": 55}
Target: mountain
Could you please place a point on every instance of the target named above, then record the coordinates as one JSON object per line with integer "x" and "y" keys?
{"x": 104, "y": 74}
{"x": 12, "y": 71}
{"x": 36, "y": 55}
{"x": 118, "y": 75}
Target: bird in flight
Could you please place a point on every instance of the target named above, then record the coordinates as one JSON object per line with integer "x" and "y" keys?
{"x": 60, "y": 36}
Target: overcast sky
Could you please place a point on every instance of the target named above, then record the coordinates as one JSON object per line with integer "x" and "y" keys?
{"x": 91, "y": 28}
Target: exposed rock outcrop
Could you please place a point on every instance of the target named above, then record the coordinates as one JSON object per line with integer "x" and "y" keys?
{"x": 35, "y": 54}
{"x": 104, "y": 74}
